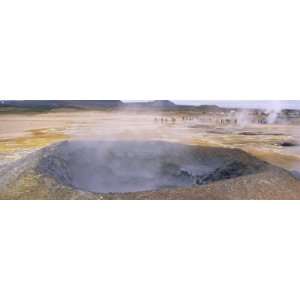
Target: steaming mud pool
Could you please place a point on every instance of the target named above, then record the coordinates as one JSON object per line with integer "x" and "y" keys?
{"x": 91, "y": 169}
{"x": 105, "y": 167}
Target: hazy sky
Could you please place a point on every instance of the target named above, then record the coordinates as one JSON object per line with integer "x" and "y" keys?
{"x": 248, "y": 104}
{"x": 264, "y": 104}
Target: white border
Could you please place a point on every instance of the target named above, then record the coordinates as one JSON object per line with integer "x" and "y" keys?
{"x": 162, "y": 49}
{"x": 149, "y": 250}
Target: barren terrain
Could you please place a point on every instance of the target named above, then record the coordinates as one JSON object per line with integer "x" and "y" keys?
{"x": 23, "y": 134}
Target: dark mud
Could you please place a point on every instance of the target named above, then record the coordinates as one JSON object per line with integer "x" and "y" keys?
{"x": 289, "y": 144}
{"x": 132, "y": 166}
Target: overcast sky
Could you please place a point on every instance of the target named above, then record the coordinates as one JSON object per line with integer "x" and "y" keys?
{"x": 248, "y": 104}
{"x": 265, "y": 104}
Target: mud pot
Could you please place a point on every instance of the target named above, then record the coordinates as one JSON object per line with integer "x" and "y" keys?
{"x": 131, "y": 166}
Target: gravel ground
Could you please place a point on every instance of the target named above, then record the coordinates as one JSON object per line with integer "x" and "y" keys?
{"x": 24, "y": 180}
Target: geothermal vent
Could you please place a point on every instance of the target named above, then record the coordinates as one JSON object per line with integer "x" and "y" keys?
{"x": 131, "y": 166}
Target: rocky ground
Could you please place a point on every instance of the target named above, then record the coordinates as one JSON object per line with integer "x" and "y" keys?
{"x": 23, "y": 136}
{"x": 242, "y": 176}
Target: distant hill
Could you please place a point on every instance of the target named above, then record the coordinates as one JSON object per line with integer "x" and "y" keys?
{"x": 157, "y": 104}
{"x": 83, "y": 104}
{"x": 162, "y": 103}
{"x": 51, "y": 104}
{"x": 45, "y": 105}
{"x": 211, "y": 108}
